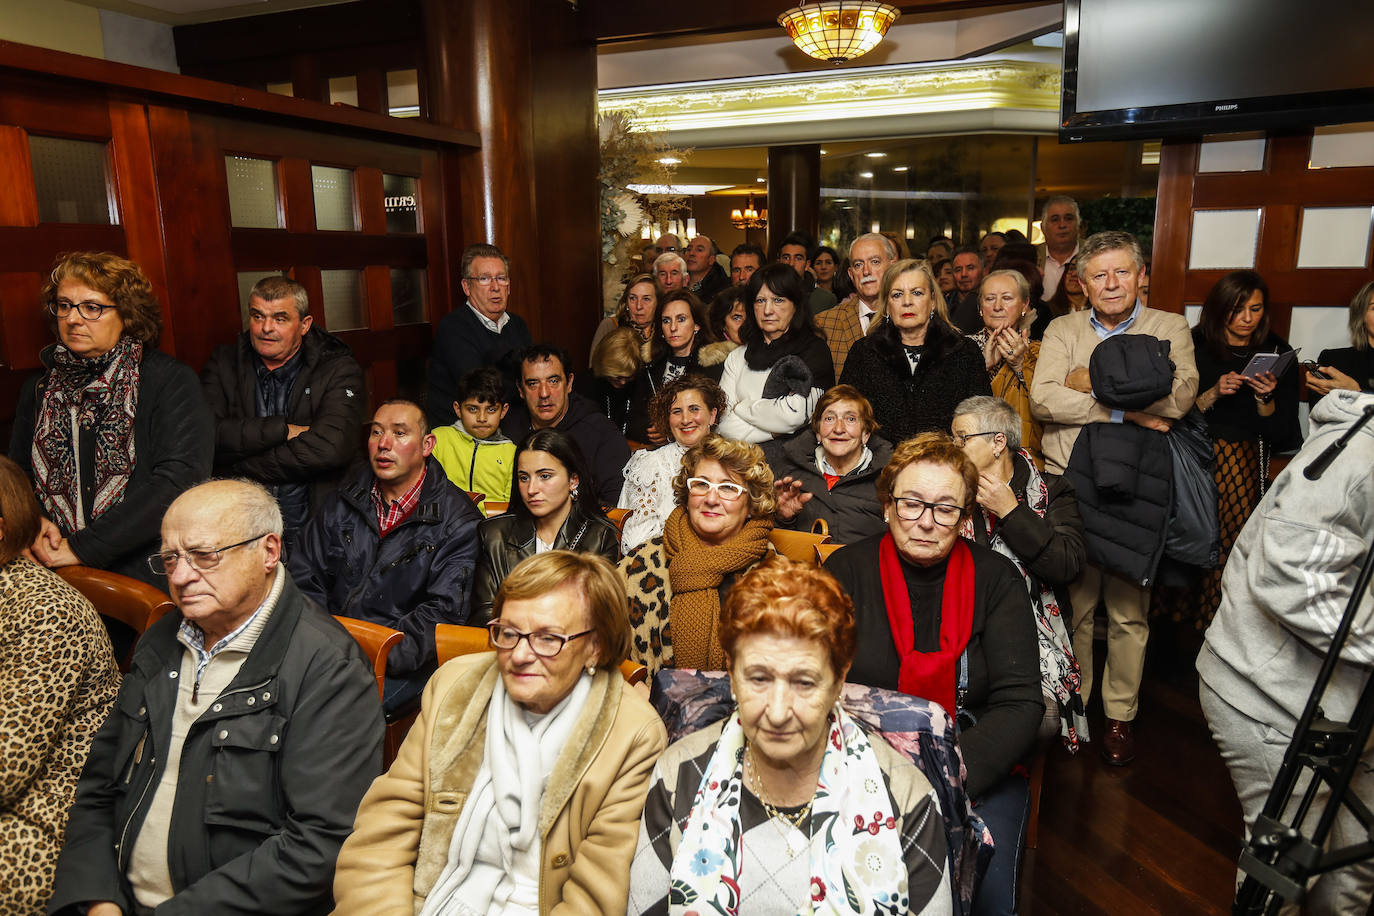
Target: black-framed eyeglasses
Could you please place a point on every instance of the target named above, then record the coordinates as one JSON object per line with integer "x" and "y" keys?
{"x": 911, "y": 509}
{"x": 961, "y": 438}
{"x": 165, "y": 563}
{"x": 86, "y": 308}
{"x": 544, "y": 645}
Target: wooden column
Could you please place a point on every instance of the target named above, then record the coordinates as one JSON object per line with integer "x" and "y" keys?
{"x": 794, "y": 191}
{"x": 517, "y": 72}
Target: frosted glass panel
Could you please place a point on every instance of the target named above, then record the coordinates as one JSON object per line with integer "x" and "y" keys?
{"x": 333, "y": 198}
{"x": 1318, "y": 327}
{"x": 1334, "y": 236}
{"x": 247, "y": 280}
{"x": 1342, "y": 146}
{"x": 281, "y": 88}
{"x": 252, "y": 192}
{"x": 1245, "y": 155}
{"x": 343, "y": 90}
{"x": 403, "y": 93}
{"x": 402, "y": 203}
{"x": 1224, "y": 239}
{"x": 1193, "y": 314}
{"x": 408, "y": 295}
{"x": 69, "y": 178}
{"x": 343, "y": 299}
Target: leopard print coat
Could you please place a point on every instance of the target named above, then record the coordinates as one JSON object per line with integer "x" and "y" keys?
{"x": 645, "y": 570}
{"x": 58, "y": 680}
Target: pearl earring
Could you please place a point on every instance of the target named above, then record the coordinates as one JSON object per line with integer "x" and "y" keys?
{"x": 591, "y": 670}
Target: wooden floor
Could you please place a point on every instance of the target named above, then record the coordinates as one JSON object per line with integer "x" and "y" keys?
{"x": 1159, "y": 836}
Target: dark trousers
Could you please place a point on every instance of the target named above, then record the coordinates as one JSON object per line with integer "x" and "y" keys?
{"x": 1004, "y": 809}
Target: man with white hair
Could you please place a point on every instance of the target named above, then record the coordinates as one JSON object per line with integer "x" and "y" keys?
{"x": 870, "y": 255}
{"x": 242, "y": 740}
{"x": 671, "y": 271}
{"x": 1059, "y": 223}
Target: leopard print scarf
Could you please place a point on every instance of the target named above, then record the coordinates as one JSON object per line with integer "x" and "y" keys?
{"x": 695, "y": 571}
{"x": 101, "y": 394}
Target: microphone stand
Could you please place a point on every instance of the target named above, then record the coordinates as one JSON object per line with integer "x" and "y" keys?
{"x": 1278, "y": 860}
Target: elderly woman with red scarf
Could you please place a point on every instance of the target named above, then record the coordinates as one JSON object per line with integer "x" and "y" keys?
{"x": 950, "y": 620}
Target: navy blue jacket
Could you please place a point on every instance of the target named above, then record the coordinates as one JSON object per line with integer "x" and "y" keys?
{"x": 463, "y": 343}
{"x": 420, "y": 574}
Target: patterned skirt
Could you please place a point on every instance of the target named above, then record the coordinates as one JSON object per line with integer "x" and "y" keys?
{"x": 1239, "y": 476}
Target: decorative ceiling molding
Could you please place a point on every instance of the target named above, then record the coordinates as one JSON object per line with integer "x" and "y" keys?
{"x": 889, "y": 101}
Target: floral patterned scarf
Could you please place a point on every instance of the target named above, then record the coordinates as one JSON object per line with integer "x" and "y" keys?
{"x": 100, "y": 394}
{"x": 856, "y": 844}
{"x": 1059, "y": 672}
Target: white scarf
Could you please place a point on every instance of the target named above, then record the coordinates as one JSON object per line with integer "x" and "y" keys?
{"x": 497, "y": 829}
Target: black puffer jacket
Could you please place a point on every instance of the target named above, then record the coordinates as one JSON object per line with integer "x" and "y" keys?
{"x": 508, "y": 539}
{"x": 1122, "y": 473}
{"x": 269, "y": 781}
{"x": 851, "y": 508}
{"x": 420, "y": 574}
{"x": 329, "y": 396}
{"x": 905, "y": 404}
{"x": 173, "y": 446}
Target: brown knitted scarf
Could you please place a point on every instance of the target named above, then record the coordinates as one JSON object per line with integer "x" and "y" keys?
{"x": 695, "y": 571}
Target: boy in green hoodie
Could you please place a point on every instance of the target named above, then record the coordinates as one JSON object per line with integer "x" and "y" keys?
{"x": 474, "y": 453}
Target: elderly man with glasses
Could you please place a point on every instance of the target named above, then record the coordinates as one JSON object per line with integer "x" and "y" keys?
{"x": 230, "y": 769}
{"x": 483, "y": 334}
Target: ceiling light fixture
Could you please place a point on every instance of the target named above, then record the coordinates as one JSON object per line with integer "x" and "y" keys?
{"x": 669, "y": 160}
{"x": 900, "y": 168}
{"x": 876, "y": 155}
{"x": 865, "y": 174}
{"x": 838, "y": 30}
{"x": 749, "y": 217}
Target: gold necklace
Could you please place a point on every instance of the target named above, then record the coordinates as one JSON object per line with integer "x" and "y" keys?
{"x": 795, "y": 820}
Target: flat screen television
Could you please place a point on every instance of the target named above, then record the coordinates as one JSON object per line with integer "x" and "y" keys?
{"x": 1154, "y": 68}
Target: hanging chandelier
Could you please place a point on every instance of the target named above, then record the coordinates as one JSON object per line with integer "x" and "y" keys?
{"x": 749, "y": 217}
{"x": 838, "y": 30}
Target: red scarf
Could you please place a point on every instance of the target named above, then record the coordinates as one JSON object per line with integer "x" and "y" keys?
{"x": 930, "y": 675}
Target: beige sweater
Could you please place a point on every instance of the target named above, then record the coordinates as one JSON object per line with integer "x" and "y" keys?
{"x": 1068, "y": 345}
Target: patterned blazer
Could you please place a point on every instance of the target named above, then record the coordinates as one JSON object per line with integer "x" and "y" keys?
{"x": 842, "y": 329}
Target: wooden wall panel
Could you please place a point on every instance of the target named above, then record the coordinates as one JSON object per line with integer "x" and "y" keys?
{"x": 18, "y": 207}
{"x": 131, "y": 153}
{"x": 23, "y": 332}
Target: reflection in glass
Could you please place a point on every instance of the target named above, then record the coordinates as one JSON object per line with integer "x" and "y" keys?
{"x": 402, "y": 203}
{"x": 408, "y": 295}
{"x": 333, "y": 198}
{"x": 403, "y": 93}
{"x": 286, "y": 88}
{"x": 343, "y": 299}
{"x": 252, "y": 193}
{"x": 247, "y": 280}
{"x": 69, "y": 178}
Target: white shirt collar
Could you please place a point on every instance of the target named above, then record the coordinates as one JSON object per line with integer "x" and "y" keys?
{"x": 493, "y": 326}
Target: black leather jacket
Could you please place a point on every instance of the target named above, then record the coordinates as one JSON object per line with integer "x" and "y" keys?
{"x": 270, "y": 777}
{"x": 508, "y": 539}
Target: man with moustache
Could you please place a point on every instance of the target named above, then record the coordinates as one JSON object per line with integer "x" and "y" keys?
{"x": 870, "y": 255}
{"x": 288, "y": 401}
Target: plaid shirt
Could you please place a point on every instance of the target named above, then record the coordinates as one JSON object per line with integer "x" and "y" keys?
{"x": 842, "y": 330}
{"x": 389, "y": 517}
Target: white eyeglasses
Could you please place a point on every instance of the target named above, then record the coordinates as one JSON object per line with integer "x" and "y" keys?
{"x": 700, "y": 486}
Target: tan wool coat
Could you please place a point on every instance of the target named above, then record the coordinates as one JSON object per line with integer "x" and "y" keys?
{"x": 589, "y": 818}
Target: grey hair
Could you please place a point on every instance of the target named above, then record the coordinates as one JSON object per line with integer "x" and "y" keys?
{"x": 875, "y": 237}
{"x": 482, "y": 250}
{"x": 257, "y": 508}
{"x": 1059, "y": 199}
{"x": 667, "y": 258}
{"x": 993, "y": 415}
{"x": 1359, "y": 335}
{"x": 1022, "y": 284}
{"x": 270, "y": 289}
{"x": 1103, "y": 242}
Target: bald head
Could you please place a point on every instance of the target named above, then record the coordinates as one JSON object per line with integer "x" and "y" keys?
{"x": 221, "y": 543}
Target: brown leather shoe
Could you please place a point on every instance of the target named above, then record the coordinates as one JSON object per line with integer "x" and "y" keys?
{"x": 1118, "y": 744}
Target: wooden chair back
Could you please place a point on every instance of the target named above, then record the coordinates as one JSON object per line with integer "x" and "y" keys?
{"x": 494, "y": 508}
{"x": 798, "y": 546}
{"x": 135, "y": 604}
{"x": 617, "y": 517}
{"x": 475, "y": 497}
{"x": 376, "y": 641}
{"x": 452, "y": 640}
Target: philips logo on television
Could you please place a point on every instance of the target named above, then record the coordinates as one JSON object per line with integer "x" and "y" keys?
{"x": 1232, "y": 107}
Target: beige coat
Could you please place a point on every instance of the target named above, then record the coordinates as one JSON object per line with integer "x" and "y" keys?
{"x": 588, "y": 824}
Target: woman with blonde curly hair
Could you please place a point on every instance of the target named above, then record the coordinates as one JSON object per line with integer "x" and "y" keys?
{"x": 113, "y": 429}
{"x": 719, "y": 530}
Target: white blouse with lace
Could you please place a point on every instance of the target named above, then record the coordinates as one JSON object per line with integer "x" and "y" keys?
{"x": 648, "y": 493}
